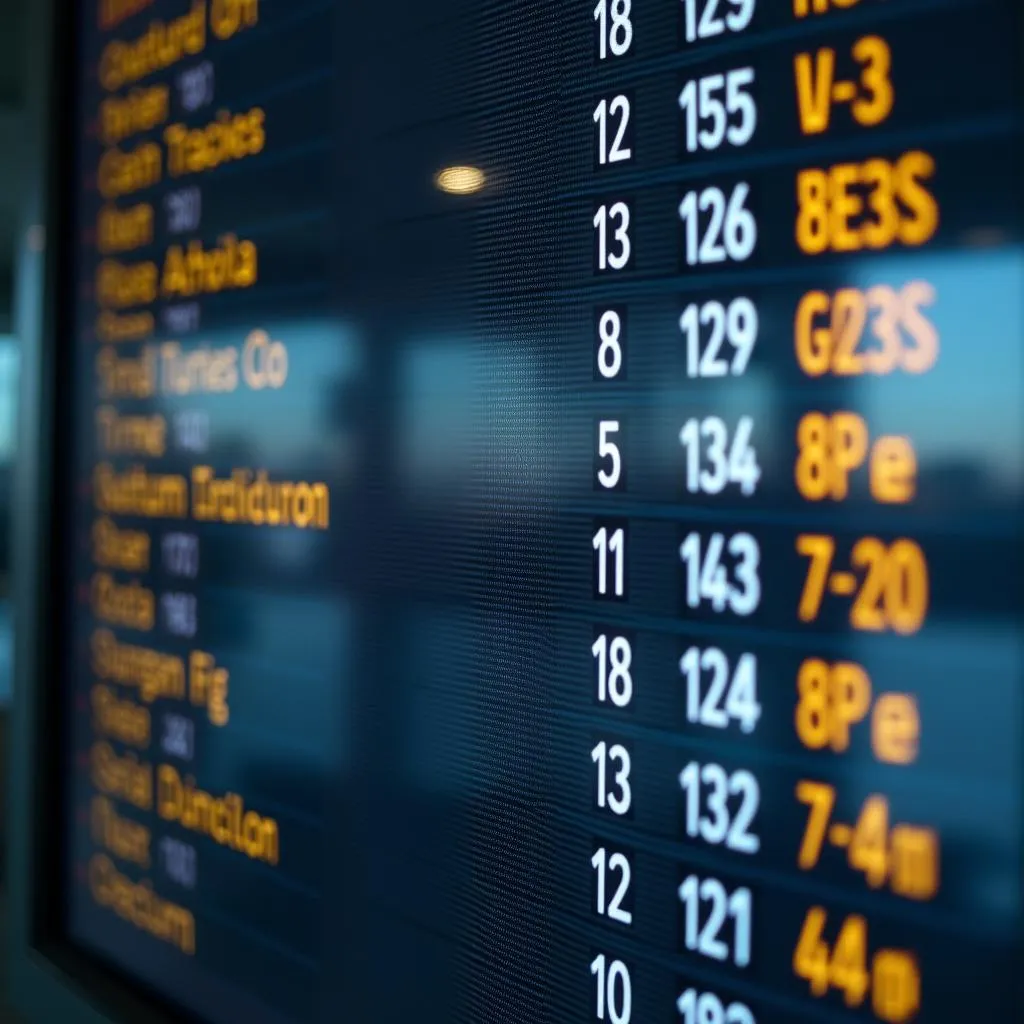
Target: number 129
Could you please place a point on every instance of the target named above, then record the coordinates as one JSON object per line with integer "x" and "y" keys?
{"x": 704, "y": 22}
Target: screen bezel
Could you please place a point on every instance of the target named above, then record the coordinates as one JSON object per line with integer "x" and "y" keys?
{"x": 50, "y": 976}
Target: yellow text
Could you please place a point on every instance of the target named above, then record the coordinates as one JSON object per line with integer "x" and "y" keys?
{"x": 831, "y": 447}
{"x": 138, "y": 904}
{"x": 123, "y": 778}
{"x": 834, "y": 696}
{"x": 124, "y": 838}
{"x": 230, "y": 137}
{"x": 124, "y": 230}
{"x": 114, "y": 548}
{"x": 208, "y": 686}
{"x": 893, "y": 978}
{"x": 130, "y": 435}
{"x": 121, "y": 173}
{"x": 802, "y": 8}
{"x": 113, "y": 12}
{"x": 224, "y": 819}
{"x": 139, "y": 111}
{"x": 121, "y": 720}
{"x": 126, "y": 376}
{"x": 228, "y": 17}
{"x": 889, "y": 584}
{"x": 254, "y": 499}
{"x": 904, "y": 857}
{"x": 136, "y": 492}
{"x": 869, "y": 205}
{"x": 154, "y": 674}
{"x": 197, "y": 271}
{"x": 112, "y": 327}
{"x": 869, "y": 93}
{"x": 126, "y": 284}
{"x": 130, "y": 605}
{"x": 123, "y": 62}
{"x": 875, "y": 331}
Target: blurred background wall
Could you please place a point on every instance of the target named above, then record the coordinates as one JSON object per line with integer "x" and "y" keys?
{"x": 14, "y": 172}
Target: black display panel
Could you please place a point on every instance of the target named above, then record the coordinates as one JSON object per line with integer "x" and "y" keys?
{"x": 544, "y": 537}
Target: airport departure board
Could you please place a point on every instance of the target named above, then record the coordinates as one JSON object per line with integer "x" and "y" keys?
{"x": 544, "y": 522}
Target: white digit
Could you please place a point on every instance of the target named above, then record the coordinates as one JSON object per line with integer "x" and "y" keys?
{"x": 192, "y": 430}
{"x": 698, "y": 102}
{"x": 179, "y": 861}
{"x": 705, "y": 938}
{"x": 613, "y": 676}
{"x": 708, "y": 789}
{"x": 744, "y": 547}
{"x": 740, "y": 226}
{"x": 737, "y": 324}
{"x": 184, "y": 210}
{"x": 179, "y": 611}
{"x": 618, "y": 152}
{"x": 619, "y": 36}
{"x": 608, "y": 449}
{"x": 180, "y": 319}
{"x": 618, "y": 802}
{"x": 707, "y": 579}
{"x": 741, "y": 329}
{"x": 195, "y": 86}
{"x": 740, "y": 700}
{"x": 706, "y": 364}
{"x": 609, "y": 352}
{"x": 737, "y": 466}
{"x": 181, "y": 554}
{"x": 618, "y": 212}
{"x": 739, "y": 101}
{"x": 178, "y": 738}
{"x": 614, "y": 990}
{"x": 706, "y": 1008}
{"x": 614, "y": 545}
{"x": 710, "y": 24}
{"x": 617, "y": 862}
{"x": 725, "y": 101}
{"x": 738, "y": 20}
{"x": 731, "y": 231}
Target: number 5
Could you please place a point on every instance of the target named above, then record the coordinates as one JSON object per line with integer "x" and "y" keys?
{"x": 608, "y": 449}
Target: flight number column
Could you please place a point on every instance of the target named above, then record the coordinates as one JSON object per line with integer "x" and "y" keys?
{"x": 611, "y": 865}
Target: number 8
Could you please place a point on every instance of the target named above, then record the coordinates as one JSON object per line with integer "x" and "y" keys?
{"x": 609, "y": 354}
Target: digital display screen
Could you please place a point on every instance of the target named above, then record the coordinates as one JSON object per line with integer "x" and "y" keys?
{"x": 545, "y": 521}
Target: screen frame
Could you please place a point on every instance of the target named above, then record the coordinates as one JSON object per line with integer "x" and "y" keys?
{"x": 49, "y": 976}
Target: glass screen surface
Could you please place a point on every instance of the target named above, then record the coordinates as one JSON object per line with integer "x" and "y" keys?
{"x": 544, "y": 522}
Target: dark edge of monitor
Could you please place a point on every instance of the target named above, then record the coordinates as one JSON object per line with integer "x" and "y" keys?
{"x": 1019, "y": 89}
{"x": 50, "y": 978}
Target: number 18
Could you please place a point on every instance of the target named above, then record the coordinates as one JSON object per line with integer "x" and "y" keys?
{"x": 616, "y": 37}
